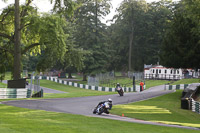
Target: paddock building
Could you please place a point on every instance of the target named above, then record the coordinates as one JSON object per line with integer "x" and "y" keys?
{"x": 161, "y": 72}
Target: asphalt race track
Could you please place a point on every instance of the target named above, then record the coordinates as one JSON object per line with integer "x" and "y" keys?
{"x": 85, "y": 105}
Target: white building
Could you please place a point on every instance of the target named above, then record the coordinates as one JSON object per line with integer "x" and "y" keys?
{"x": 160, "y": 72}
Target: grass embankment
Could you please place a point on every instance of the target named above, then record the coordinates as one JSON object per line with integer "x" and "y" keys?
{"x": 164, "y": 109}
{"x": 186, "y": 81}
{"x": 79, "y": 92}
{"x": 2, "y": 85}
{"x": 71, "y": 91}
{"x": 20, "y": 120}
{"x": 151, "y": 83}
{"x": 74, "y": 91}
{"x": 127, "y": 82}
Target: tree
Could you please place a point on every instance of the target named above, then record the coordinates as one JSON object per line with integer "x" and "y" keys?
{"x": 20, "y": 23}
{"x": 128, "y": 23}
{"x": 129, "y": 12}
{"x": 37, "y": 33}
{"x": 181, "y": 45}
{"x": 91, "y": 33}
{"x": 17, "y": 37}
{"x": 137, "y": 33}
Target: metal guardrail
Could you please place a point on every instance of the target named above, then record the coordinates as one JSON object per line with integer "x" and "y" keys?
{"x": 7, "y": 93}
{"x": 196, "y": 106}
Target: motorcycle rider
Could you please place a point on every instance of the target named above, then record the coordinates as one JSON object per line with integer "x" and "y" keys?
{"x": 109, "y": 103}
{"x": 118, "y": 87}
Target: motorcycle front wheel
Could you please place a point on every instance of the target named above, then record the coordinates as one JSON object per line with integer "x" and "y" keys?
{"x": 100, "y": 111}
{"x": 94, "y": 111}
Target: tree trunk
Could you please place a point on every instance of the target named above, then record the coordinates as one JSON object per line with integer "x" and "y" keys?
{"x": 17, "y": 48}
{"x": 84, "y": 77}
{"x": 96, "y": 21}
{"x": 69, "y": 75}
{"x": 130, "y": 50}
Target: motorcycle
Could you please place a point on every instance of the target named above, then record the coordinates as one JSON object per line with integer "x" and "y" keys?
{"x": 102, "y": 108}
{"x": 120, "y": 91}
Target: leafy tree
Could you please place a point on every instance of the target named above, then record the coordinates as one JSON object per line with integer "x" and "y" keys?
{"x": 129, "y": 13}
{"x": 137, "y": 33}
{"x": 181, "y": 45}
{"x": 22, "y": 21}
{"x": 91, "y": 33}
{"x": 126, "y": 30}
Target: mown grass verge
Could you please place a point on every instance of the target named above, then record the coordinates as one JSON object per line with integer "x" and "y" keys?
{"x": 20, "y": 120}
{"x": 71, "y": 91}
{"x": 2, "y": 85}
{"x": 164, "y": 109}
{"x": 186, "y": 81}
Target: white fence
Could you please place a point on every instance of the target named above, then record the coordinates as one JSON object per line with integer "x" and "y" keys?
{"x": 7, "y": 93}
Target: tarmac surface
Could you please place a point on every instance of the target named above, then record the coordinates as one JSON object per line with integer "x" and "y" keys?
{"x": 85, "y": 105}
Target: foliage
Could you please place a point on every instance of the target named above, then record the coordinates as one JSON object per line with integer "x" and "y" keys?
{"x": 16, "y": 23}
{"x": 90, "y": 34}
{"x": 148, "y": 22}
{"x": 181, "y": 45}
{"x": 37, "y": 33}
{"x": 74, "y": 56}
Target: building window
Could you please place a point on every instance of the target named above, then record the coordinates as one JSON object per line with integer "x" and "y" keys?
{"x": 171, "y": 71}
{"x": 177, "y": 71}
{"x": 160, "y": 71}
{"x": 165, "y": 71}
{"x": 153, "y": 70}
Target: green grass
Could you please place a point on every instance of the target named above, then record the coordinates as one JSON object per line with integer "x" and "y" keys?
{"x": 124, "y": 82}
{"x": 71, "y": 91}
{"x": 20, "y": 120}
{"x": 78, "y": 92}
{"x": 165, "y": 109}
{"x": 8, "y": 76}
{"x": 151, "y": 83}
{"x": 127, "y": 82}
{"x": 2, "y": 85}
{"x": 186, "y": 81}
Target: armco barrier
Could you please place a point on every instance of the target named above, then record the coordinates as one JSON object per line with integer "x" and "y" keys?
{"x": 7, "y": 93}
{"x": 176, "y": 87}
{"x": 98, "y": 88}
{"x": 196, "y": 106}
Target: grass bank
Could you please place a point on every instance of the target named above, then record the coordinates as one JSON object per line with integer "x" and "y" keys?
{"x": 2, "y": 85}
{"x": 186, "y": 81}
{"x": 164, "y": 109}
{"x": 20, "y": 120}
{"x": 71, "y": 91}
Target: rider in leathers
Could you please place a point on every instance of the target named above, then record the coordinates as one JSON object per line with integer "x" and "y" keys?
{"x": 118, "y": 87}
{"x": 110, "y": 105}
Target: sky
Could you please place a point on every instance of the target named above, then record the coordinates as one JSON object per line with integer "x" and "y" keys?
{"x": 45, "y": 6}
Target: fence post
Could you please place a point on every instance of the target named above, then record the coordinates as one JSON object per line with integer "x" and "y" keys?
{"x": 133, "y": 83}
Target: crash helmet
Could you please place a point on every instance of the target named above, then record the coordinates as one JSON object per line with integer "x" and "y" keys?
{"x": 118, "y": 84}
{"x": 109, "y": 100}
